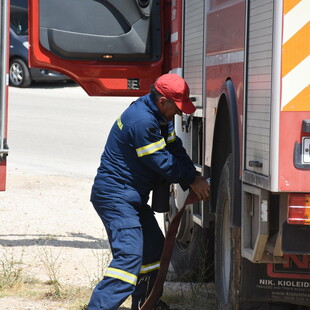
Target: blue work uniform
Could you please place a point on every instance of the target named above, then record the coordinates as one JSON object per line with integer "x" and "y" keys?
{"x": 135, "y": 156}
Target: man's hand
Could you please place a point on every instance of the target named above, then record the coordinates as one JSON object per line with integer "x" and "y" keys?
{"x": 201, "y": 188}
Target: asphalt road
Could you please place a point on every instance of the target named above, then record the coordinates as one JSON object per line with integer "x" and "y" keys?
{"x": 59, "y": 129}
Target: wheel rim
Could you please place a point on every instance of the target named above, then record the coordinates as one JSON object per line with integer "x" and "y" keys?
{"x": 226, "y": 251}
{"x": 16, "y": 73}
{"x": 185, "y": 230}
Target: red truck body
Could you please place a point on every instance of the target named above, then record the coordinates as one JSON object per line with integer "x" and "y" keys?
{"x": 247, "y": 65}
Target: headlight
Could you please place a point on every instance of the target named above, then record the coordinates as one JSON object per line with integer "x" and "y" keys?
{"x": 26, "y": 44}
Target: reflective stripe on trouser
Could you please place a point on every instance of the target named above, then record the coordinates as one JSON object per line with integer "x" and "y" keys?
{"x": 129, "y": 243}
{"x": 153, "y": 244}
{"x": 144, "y": 287}
{"x": 121, "y": 275}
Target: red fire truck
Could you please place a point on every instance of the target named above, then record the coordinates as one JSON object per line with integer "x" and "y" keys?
{"x": 248, "y": 67}
{"x": 4, "y": 56}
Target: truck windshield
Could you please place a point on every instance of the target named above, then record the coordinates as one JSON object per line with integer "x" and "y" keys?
{"x": 19, "y": 20}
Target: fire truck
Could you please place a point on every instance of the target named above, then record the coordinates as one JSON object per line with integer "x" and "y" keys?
{"x": 4, "y": 56}
{"x": 248, "y": 67}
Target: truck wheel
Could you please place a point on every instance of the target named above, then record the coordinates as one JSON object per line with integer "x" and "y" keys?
{"x": 227, "y": 245}
{"x": 19, "y": 73}
{"x": 192, "y": 257}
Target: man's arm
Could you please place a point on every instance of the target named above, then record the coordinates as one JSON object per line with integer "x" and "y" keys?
{"x": 152, "y": 151}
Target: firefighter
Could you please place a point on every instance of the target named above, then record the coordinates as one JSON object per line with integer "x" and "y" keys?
{"x": 142, "y": 147}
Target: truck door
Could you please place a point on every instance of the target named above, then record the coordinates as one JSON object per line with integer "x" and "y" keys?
{"x": 109, "y": 47}
{"x": 4, "y": 59}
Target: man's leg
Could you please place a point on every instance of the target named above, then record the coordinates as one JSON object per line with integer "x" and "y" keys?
{"x": 126, "y": 240}
{"x": 153, "y": 240}
{"x": 118, "y": 283}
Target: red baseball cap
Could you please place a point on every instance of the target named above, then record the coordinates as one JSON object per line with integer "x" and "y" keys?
{"x": 175, "y": 88}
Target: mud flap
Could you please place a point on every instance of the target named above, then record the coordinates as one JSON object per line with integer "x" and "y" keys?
{"x": 286, "y": 282}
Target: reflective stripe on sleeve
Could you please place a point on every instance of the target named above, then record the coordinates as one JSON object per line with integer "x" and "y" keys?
{"x": 151, "y": 148}
{"x": 119, "y": 123}
{"x": 121, "y": 275}
{"x": 149, "y": 267}
{"x": 171, "y": 137}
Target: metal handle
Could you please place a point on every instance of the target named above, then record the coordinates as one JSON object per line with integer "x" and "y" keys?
{"x": 255, "y": 163}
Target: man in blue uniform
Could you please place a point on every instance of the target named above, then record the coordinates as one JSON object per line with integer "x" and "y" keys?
{"x": 142, "y": 147}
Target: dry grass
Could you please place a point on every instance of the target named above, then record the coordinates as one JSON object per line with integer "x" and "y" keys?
{"x": 10, "y": 271}
{"x": 14, "y": 283}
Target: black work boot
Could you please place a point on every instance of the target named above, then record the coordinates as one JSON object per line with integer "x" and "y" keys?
{"x": 163, "y": 306}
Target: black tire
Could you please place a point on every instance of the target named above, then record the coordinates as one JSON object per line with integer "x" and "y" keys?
{"x": 227, "y": 246}
{"x": 228, "y": 253}
{"x": 193, "y": 253}
{"x": 19, "y": 73}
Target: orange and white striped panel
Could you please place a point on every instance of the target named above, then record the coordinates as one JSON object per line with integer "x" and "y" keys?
{"x": 296, "y": 56}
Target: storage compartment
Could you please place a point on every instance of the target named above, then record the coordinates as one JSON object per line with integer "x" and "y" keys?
{"x": 258, "y": 92}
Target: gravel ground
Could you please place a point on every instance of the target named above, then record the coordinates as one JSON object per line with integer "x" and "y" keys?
{"x": 49, "y": 219}
{"x": 46, "y": 215}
